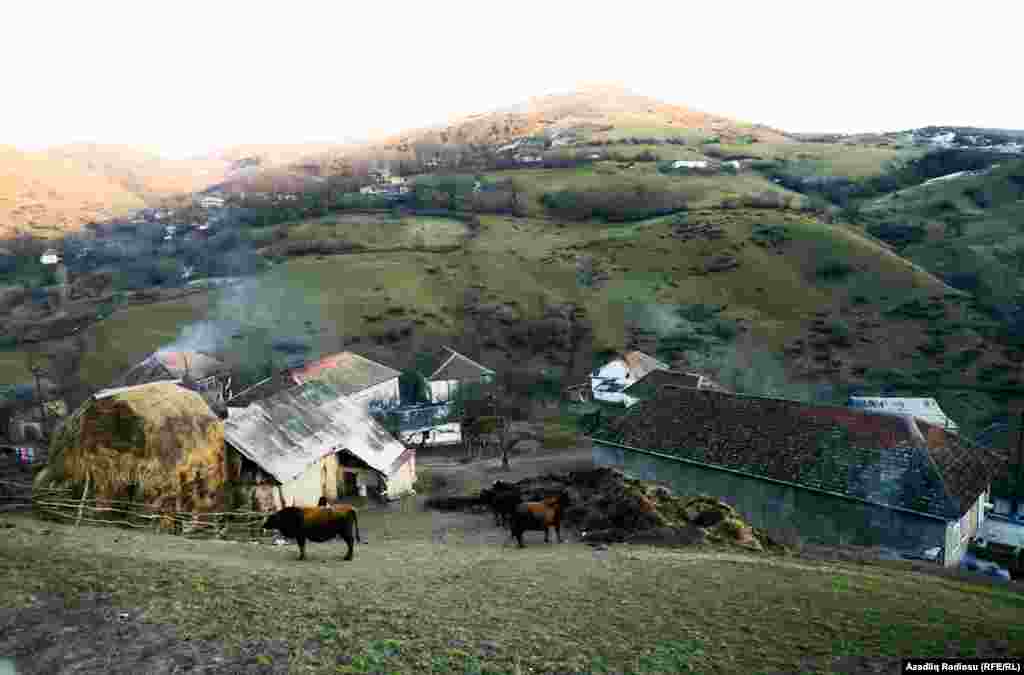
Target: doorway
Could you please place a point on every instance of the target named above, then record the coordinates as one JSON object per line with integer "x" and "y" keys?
{"x": 347, "y": 486}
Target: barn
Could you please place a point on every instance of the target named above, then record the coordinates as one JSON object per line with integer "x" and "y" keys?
{"x": 309, "y": 442}
{"x": 829, "y": 474}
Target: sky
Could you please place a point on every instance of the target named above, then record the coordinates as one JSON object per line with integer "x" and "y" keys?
{"x": 186, "y": 78}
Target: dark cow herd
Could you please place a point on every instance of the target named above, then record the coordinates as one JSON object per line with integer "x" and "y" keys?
{"x": 510, "y": 510}
{"x": 323, "y": 523}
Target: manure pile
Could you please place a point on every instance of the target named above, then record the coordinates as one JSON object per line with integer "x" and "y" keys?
{"x": 608, "y": 507}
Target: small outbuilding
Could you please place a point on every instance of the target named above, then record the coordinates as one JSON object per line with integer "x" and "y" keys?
{"x": 309, "y": 442}
{"x": 609, "y": 382}
{"x": 455, "y": 372}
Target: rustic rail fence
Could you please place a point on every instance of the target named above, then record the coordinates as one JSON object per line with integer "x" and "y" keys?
{"x": 73, "y": 506}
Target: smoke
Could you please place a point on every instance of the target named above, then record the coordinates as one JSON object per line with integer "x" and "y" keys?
{"x": 257, "y": 322}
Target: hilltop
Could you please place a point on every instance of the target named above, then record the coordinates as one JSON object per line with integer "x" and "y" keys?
{"x": 595, "y": 113}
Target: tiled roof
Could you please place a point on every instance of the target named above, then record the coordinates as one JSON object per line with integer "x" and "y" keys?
{"x": 287, "y": 432}
{"x": 649, "y": 384}
{"x": 347, "y": 372}
{"x": 459, "y": 367}
{"x": 884, "y": 459}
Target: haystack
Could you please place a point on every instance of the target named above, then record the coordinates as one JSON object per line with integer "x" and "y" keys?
{"x": 157, "y": 444}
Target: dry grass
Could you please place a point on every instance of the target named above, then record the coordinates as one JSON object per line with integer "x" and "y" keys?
{"x": 448, "y": 604}
{"x": 149, "y": 437}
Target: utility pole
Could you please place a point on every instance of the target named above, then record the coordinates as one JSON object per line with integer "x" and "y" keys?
{"x": 37, "y": 372}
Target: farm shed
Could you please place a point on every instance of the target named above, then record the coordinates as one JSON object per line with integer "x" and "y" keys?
{"x": 312, "y": 442}
{"x": 455, "y": 372}
{"x": 207, "y": 374}
{"x": 156, "y": 443}
{"x": 367, "y": 383}
{"x": 610, "y": 380}
{"x": 831, "y": 474}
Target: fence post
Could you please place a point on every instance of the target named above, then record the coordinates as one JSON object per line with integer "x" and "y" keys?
{"x": 81, "y": 504}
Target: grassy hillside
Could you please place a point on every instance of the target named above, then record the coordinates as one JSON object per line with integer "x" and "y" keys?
{"x": 967, "y": 228}
{"x": 437, "y": 593}
{"x": 820, "y": 159}
{"x": 773, "y": 270}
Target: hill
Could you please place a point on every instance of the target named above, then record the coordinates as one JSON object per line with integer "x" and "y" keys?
{"x": 142, "y": 173}
{"x": 48, "y": 196}
{"x": 58, "y": 190}
{"x": 596, "y": 113}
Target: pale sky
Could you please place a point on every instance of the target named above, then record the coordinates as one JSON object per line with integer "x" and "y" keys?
{"x": 188, "y": 77}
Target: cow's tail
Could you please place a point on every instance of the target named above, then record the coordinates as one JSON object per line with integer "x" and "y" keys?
{"x": 355, "y": 521}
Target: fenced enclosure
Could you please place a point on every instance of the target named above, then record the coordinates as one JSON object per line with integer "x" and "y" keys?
{"x": 76, "y": 506}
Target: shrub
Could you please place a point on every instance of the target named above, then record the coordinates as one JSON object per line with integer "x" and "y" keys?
{"x": 898, "y": 234}
{"x": 771, "y": 235}
{"x": 613, "y": 205}
{"x": 313, "y": 247}
{"x": 839, "y": 332}
{"x": 981, "y": 197}
{"x": 834, "y": 270}
{"x": 724, "y": 329}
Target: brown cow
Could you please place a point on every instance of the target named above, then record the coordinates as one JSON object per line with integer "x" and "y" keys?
{"x": 316, "y": 524}
{"x": 541, "y": 515}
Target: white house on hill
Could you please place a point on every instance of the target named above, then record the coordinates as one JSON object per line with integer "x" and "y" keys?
{"x": 926, "y": 409}
{"x": 609, "y": 381}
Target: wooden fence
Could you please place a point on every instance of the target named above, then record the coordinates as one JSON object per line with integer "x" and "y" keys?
{"x": 65, "y": 505}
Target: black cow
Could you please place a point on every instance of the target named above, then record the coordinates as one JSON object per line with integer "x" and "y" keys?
{"x": 316, "y": 524}
{"x": 541, "y": 515}
{"x": 502, "y": 498}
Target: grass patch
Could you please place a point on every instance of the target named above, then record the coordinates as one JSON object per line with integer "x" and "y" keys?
{"x": 410, "y": 604}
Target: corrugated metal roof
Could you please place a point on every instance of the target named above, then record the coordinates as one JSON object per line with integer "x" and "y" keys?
{"x": 347, "y": 372}
{"x": 459, "y": 367}
{"x": 640, "y": 364}
{"x": 926, "y": 409}
{"x": 287, "y": 432}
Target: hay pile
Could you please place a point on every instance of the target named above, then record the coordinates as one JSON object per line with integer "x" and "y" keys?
{"x": 157, "y": 444}
{"x": 607, "y": 507}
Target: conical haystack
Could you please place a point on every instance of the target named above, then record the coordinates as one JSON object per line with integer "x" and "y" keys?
{"x": 158, "y": 444}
